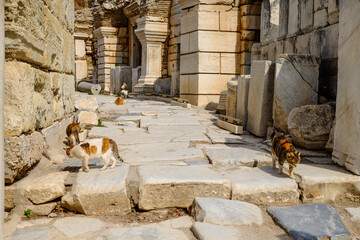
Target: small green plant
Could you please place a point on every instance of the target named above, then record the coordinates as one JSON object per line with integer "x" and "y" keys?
{"x": 100, "y": 123}
{"x": 76, "y": 89}
{"x": 118, "y": 94}
{"x": 90, "y": 93}
{"x": 27, "y": 212}
{"x": 102, "y": 92}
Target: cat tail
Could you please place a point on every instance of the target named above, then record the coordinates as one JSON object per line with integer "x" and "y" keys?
{"x": 115, "y": 150}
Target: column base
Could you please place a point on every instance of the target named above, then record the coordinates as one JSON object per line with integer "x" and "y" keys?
{"x": 145, "y": 85}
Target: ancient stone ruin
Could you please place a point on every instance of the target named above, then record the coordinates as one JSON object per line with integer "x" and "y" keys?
{"x": 208, "y": 82}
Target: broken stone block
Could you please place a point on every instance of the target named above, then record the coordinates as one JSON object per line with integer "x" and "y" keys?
{"x": 21, "y": 153}
{"x": 9, "y": 198}
{"x": 86, "y": 117}
{"x": 231, "y": 98}
{"x": 296, "y": 78}
{"x": 262, "y": 185}
{"x": 100, "y": 192}
{"x": 318, "y": 221}
{"x": 42, "y": 209}
{"x": 261, "y": 90}
{"x": 310, "y": 125}
{"x": 207, "y": 231}
{"x": 46, "y": 188}
{"x": 225, "y": 212}
{"x": 242, "y": 98}
{"x": 87, "y": 103}
{"x": 177, "y": 186}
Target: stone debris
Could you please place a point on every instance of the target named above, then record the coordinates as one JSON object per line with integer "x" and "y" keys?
{"x": 73, "y": 226}
{"x": 310, "y": 125}
{"x": 310, "y": 221}
{"x": 46, "y": 188}
{"x": 207, "y": 231}
{"x": 262, "y": 185}
{"x": 225, "y": 212}
{"x": 100, "y": 192}
{"x": 239, "y": 156}
{"x": 354, "y": 213}
{"x": 87, "y": 103}
{"x": 177, "y": 186}
{"x": 42, "y": 209}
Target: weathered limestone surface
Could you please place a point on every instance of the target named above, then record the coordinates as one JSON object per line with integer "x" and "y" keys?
{"x": 324, "y": 183}
{"x": 72, "y": 226}
{"x": 100, "y": 192}
{"x": 310, "y": 221}
{"x": 225, "y": 212}
{"x": 296, "y": 78}
{"x": 354, "y": 213}
{"x": 21, "y": 153}
{"x": 236, "y": 129}
{"x": 177, "y": 186}
{"x": 239, "y": 156}
{"x": 207, "y": 231}
{"x": 86, "y": 117}
{"x": 242, "y": 98}
{"x": 347, "y": 137}
{"x": 310, "y": 125}
{"x": 42, "y": 209}
{"x": 35, "y": 233}
{"x": 87, "y": 103}
{"x": 262, "y": 185}
{"x": 46, "y": 188}
{"x": 143, "y": 233}
{"x": 260, "y": 97}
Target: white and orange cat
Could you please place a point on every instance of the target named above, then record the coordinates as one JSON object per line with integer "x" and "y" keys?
{"x": 103, "y": 148}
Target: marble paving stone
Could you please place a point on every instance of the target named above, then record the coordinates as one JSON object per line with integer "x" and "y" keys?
{"x": 354, "y": 213}
{"x": 38, "y": 233}
{"x": 225, "y": 212}
{"x": 76, "y": 163}
{"x": 159, "y": 152}
{"x": 262, "y": 185}
{"x": 177, "y": 186}
{"x": 109, "y": 132}
{"x": 207, "y": 231}
{"x": 224, "y": 138}
{"x": 100, "y": 192}
{"x": 323, "y": 183}
{"x": 141, "y": 233}
{"x": 176, "y": 128}
{"x": 169, "y": 121}
{"x": 319, "y": 160}
{"x": 72, "y": 226}
{"x": 310, "y": 221}
{"x": 239, "y": 156}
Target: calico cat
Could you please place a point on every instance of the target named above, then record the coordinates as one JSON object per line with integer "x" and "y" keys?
{"x": 103, "y": 148}
{"x": 119, "y": 101}
{"x": 72, "y": 132}
{"x": 284, "y": 151}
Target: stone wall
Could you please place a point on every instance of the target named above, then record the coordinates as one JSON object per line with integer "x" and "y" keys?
{"x": 347, "y": 130}
{"x": 303, "y": 27}
{"x": 39, "y": 76}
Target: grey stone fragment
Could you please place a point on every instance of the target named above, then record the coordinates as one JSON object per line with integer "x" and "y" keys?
{"x": 142, "y": 233}
{"x": 354, "y": 214}
{"x": 310, "y": 221}
{"x": 225, "y": 212}
{"x": 207, "y": 231}
{"x": 39, "y": 233}
{"x": 72, "y": 226}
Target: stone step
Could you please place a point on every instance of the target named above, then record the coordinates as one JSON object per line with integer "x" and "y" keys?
{"x": 262, "y": 185}
{"x": 239, "y": 156}
{"x": 177, "y": 186}
{"x": 99, "y": 192}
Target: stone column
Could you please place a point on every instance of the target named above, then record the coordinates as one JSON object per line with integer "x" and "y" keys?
{"x": 107, "y": 41}
{"x": 152, "y": 32}
{"x": 81, "y": 69}
{"x": 347, "y": 130}
{"x": 2, "y": 83}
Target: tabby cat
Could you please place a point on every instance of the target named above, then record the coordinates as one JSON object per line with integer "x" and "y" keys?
{"x": 72, "y": 132}
{"x": 284, "y": 151}
{"x": 103, "y": 148}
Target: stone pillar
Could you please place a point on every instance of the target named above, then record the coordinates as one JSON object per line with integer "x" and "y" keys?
{"x": 2, "y": 83}
{"x": 81, "y": 68}
{"x": 152, "y": 32}
{"x": 347, "y": 130}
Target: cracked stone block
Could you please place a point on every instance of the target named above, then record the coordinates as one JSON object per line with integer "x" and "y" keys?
{"x": 177, "y": 186}
{"x": 296, "y": 78}
{"x": 310, "y": 221}
{"x": 225, "y": 212}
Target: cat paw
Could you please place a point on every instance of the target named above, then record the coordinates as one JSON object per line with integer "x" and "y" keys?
{"x": 112, "y": 167}
{"x": 292, "y": 177}
{"x": 86, "y": 170}
{"x": 102, "y": 169}
{"x": 80, "y": 170}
